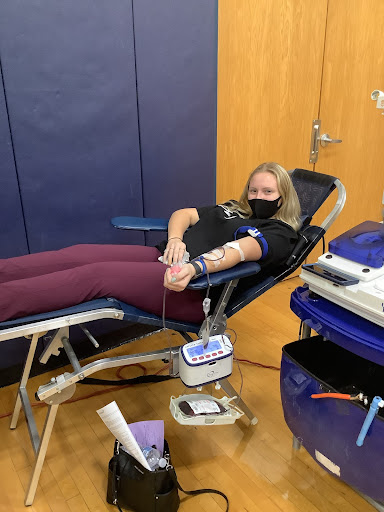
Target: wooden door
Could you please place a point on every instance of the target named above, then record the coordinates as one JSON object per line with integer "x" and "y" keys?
{"x": 270, "y": 57}
{"x": 353, "y": 68}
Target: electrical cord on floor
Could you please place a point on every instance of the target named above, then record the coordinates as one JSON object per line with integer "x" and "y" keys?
{"x": 259, "y": 365}
{"x": 234, "y": 332}
{"x": 254, "y": 363}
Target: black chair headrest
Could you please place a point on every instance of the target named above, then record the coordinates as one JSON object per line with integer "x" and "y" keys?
{"x": 312, "y": 188}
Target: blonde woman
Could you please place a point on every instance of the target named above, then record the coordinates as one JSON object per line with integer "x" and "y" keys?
{"x": 268, "y": 203}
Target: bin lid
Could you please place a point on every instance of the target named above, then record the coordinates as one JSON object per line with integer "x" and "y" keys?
{"x": 339, "y": 325}
{"x": 363, "y": 244}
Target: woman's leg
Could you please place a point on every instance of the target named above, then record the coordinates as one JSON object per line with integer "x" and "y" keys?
{"x": 32, "y": 265}
{"x": 137, "y": 283}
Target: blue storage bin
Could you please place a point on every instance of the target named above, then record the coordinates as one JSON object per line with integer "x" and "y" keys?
{"x": 328, "y": 428}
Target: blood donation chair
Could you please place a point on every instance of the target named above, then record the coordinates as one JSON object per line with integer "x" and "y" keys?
{"x": 312, "y": 188}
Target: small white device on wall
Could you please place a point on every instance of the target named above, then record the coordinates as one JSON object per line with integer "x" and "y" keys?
{"x": 378, "y": 96}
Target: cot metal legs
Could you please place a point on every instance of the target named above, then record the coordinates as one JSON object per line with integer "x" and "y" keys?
{"x": 22, "y": 400}
{"x": 39, "y": 445}
{"x": 296, "y": 444}
{"x": 21, "y": 393}
{"x": 230, "y": 391}
{"x": 40, "y": 453}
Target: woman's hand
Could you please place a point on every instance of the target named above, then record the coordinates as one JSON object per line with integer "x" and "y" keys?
{"x": 180, "y": 280}
{"x": 174, "y": 251}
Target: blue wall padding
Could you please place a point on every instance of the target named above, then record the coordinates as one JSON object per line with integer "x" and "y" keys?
{"x": 89, "y": 142}
{"x": 12, "y": 232}
{"x": 70, "y": 83}
{"x": 176, "y": 52}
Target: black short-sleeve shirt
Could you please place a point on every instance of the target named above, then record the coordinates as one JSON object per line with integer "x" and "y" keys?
{"x": 218, "y": 224}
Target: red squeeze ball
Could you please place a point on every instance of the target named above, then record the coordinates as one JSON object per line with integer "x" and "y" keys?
{"x": 175, "y": 269}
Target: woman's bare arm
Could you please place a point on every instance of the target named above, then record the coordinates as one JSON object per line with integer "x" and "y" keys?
{"x": 179, "y": 222}
{"x": 231, "y": 257}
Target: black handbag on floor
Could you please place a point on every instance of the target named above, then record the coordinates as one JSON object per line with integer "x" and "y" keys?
{"x": 133, "y": 487}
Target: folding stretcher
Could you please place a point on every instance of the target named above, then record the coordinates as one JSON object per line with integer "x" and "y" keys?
{"x": 312, "y": 188}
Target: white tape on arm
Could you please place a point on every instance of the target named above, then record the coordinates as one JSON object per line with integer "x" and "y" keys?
{"x": 236, "y": 246}
{"x": 216, "y": 256}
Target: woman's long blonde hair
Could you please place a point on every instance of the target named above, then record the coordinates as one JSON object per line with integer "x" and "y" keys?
{"x": 289, "y": 212}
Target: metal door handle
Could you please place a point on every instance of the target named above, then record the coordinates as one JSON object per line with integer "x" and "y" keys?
{"x": 314, "y": 152}
{"x": 325, "y": 139}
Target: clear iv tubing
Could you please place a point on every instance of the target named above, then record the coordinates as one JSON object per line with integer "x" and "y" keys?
{"x": 206, "y": 302}
{"x": 376, "y": 403}
{"x": 175, "y": 269}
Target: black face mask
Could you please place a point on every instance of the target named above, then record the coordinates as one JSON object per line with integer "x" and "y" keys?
{"x": 263, "y": 209}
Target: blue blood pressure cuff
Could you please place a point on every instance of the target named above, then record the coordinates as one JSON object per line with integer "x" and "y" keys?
{"x": 255, "y": 233}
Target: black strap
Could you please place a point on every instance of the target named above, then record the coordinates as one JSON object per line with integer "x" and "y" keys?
{"x": 118, "y": 506}
{"x": 135, "y": 380}
{"x": 197, "y": 491}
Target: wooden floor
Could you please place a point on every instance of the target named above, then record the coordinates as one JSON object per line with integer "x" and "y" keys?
{"x": 254, "y": 465}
